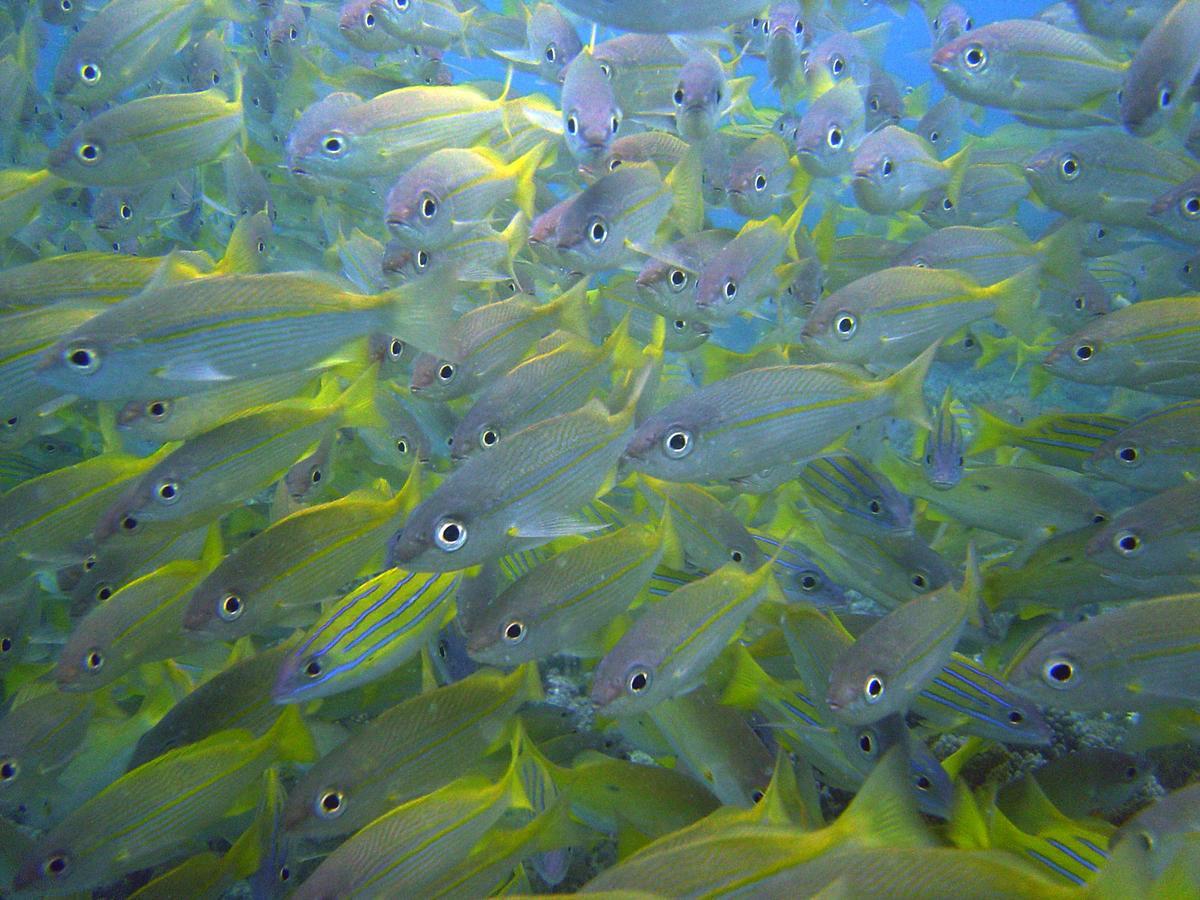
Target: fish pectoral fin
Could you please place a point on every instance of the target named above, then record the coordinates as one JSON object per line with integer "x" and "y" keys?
{"x": 553, "y": 526}
{"x": 191, "y": 370}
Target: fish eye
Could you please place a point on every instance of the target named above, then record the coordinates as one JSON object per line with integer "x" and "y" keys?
{"x": 678, "y": 279}
{"x": 125, "y": 212}
{"x": 866, "y": 743}
{"x": 947, "y": 204}
{"x": 489, "y": 437}
{"x": 1058, "y": 672}
{"x": 760, "y": 182}
{"x": 551, "y": 53}
{"x": 369, "y": 21}
{"x": 167, "y": 492}
{"x": 1084, "y": 352}
{"x": 89, "y": 73}
{"x": 616, "y": 123}
{"x": 809, "y": 581}
{"x": 922, "y": 782}
{"x": 874, "y": 506}
{"x": 679, "y": 324}
{"x": 130, "y": 523}
{"x": 401, "y": 5}
{"x": 446, "y": 373}
{"x": 873, "y": 688}
{"x": 874, "y": 104}
{"x": 1128, "y": 455}
{"x": 103, "y": 592}
{"x": 1127, "y": 543}
{"x": 83, "y": 360}
{"x": 293, "y": 33}
{"x": 230, "y": 607}
{"x": 330, "y": 804}
{"x": 422, "y": 259}
{"x": 919, "y": 581}
{"x": 638, "y": 680}
{"x": 968, "y": 25}
{"x": 93, "y": 660}
{"x": 88, "y": 153}
{"x": 513, "y": 632}
{"x": 313, "y": 667}
{"x": 1080, "y": 302}
{"x": 934, "y": 136}
{"x": 396, "y": 348}
{"x": 55, "y": 866}
{"x": 429, "y": 207}
{"x": 333, "y": 145}
{"x": 974, "y": 57}
{"x": 799, "y": 26}
{"x": 614, "y": 165}
{"x": 316, "y": 476}
{"x": 1190, "y": 206}
{"x": 844, "y": 326}
{"x": 1068, "y": 167}
{"x": 677, "y": 444}
{"x": 764, "y": 26}
{"x": 449, "y": 535}
{"x": 65, "y": 5}
{"x": 836, "y": 65}
{"x": 885, "y": 167}
{"x": 920, "y": 263}
{"x": 834, "y": 137}
{"x": 736, "y": 555}
{"x": 597, "y": 232}
{"x": 158, "y": 409}
{"x": 572, "y": 125}
{"x": 9, "y": 769}
{"x": 730, "y": 289}
{"x": 1165, "y": 96}
{"x": 678, "y": 96}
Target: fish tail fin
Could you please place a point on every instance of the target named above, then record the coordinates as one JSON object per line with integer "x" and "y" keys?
{"x": 907, "y": 388}
{"x": 685, "y": 182}
{"x": 1016, "y": 299}
{"x": 290, "y": 738}
{"x": 530, "y": 688}
{"x": 523, "y": 169}
{"x": 419, "y": 312}
{"x": 668, "y": 537}
{"x": 242, "y": 253}
{"x": 884, "y": 811}
{"x": 744, "y": 688}
{"x": 572, "y": 308}
{"x": 357, "y": 402}
{"x": 991, "y": 431}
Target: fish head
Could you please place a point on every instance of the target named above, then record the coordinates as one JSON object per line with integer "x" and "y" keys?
{"x": 361, "y": 23}
{"x": 880, "y": 172}
{"x": 858, "y": 691}
{"x": 823, "y": 140}
{"x": 951, "y": 22}
{"x": 698, "y": 96}
{"x": 1050, "y": 669}
{"x": 665, "y": 445}
{"x": 787, "y": 126}
{"x": 1079, "y": 358}
{"x": 1145, "y": 104}
{"x": 48, "y": 868}
{"x": 217, "y": 607}
{"x": 974, "y": 64}
{"x": 884, "y": 105}
{"x": 553, "y": 41}
{"x": 590, "y": 115}
{"x": 322, "y": 140}
{"x": 836, "y": 330}
{"x": 624, "y": 680}
{"x": 438, "y": 537}
{"x": 416, "y": 211}
{"x": 1178, "y": 211}
{"x": 434, "y": 378}
{"x": 1055, "y": 174}
{"x": 720, "y": 280}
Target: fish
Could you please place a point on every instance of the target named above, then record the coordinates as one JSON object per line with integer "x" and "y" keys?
{"x": 121, "y": 827}
{"x": 830, "y": 130}
{"x": 591, "y": 116}
{"x": 376, "y": 628}
{"x": 893, "y": 168}
{"x": 150, "y": 346}
{"x": 744, "y": 271}
{"x": 550, "y": 470}
{"x": 562, "y": 604}
{"x": 699, "y": 97}
{"x": 416, "y": 747}
{"x": 659, "y": 16}
{"x": 899, "y": 655}
{"x": 665, "y": 651}
{"x": 742, "y": 424}
{"x": 1151, "y": 453}
{"x": 1160, "y": 72}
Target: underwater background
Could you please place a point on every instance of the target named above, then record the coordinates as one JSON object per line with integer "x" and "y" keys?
{"x": 635, "y": 447}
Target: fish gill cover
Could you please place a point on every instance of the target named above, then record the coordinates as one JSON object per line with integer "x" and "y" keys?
{"x": 638, "y": 446}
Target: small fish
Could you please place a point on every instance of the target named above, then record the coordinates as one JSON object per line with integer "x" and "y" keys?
{"x": 1178, "y": 211}
{"x": 855, "y": 496}
{"x": 590, "y": 114}
{"x": 832, "y": 127}
{"x": 1132, "y": 657}
{"x": 665, "y": 652}
{"x": 709, "y": 535}
{"x": 149, "y": 138}
{"x": 699, "y": 97}
{"x": 413, "y": 748}
{"x": 1091, "y": 781}
{"x": 1154, "y": 452}
{"x": 893, "y": 168}
{"x": 1026, "y": 65}
{"x": 564, "y": 603}
{"x": 744, "y": 271}
{"x": 760, "y": 177}
{"x": 661, "y": 16}
{"x": 945, "y": 447}
{"x": 551, "y": 43}
{"x": 38, "y": 736}
{"x": 897, "y": 657}
{"x": 142, "y": 815}
{"x": 745, "y": 423}
{"x": 310, "y": 553}
{"x": 1065, "y": 440}
{"x": 453, "y": 188}
{"x": 371, "y": 631}
{"x": 1159, "y": 830}
{"x": 1161, "y": 71}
